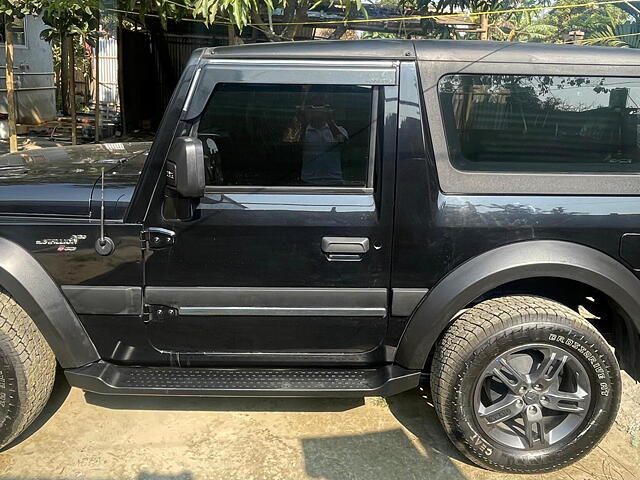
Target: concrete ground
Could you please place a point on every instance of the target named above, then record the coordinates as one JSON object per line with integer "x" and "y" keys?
{"x": 29, "y": 143}
{"x": 92, "y": 437}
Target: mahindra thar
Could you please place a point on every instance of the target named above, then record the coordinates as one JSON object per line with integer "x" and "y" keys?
{"x": 341, "y": 219}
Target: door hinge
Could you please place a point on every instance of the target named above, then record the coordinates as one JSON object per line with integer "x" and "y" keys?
{"x": 159, "y": 313}
{"x": 155, "y": 238}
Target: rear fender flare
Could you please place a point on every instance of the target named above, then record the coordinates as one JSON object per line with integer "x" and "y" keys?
{"x": 35, "y": 291}
{"x": 538, "y": 258}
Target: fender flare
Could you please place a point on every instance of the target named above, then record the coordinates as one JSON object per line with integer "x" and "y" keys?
{"x": 35, "y": 291}
{"x": 537, "y": 258}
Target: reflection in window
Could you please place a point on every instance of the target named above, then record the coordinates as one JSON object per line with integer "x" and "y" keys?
{"x": 529, "y": 123}
{"x": 287, "y": 135}
{"x": 18, "y": 32}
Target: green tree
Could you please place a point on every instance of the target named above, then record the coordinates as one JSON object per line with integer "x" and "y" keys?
{"x": 590, "y": 19}
{"x": 68, "y": 21}
{"x": 240, "y": 13}
{"x": 626, "y": 35}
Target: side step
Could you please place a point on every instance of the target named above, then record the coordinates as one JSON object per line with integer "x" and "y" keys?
{"x": 102, "y": 377}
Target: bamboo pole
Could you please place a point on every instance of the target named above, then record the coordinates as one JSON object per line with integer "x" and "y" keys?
{"x": 11, "y": 94}
{"x": 97, "y": 96}
{"x": 484, "y": 27}
{"x": 72, "y": 91}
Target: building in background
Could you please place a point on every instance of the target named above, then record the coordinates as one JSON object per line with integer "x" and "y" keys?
{"x": 33, "y": 73}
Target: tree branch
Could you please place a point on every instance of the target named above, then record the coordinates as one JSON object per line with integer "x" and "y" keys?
{"x": 338, "y": 32}
{"x": 256, "y": 18}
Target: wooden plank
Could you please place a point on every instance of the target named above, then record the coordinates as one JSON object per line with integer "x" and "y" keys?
{"x": 11, "y": 94}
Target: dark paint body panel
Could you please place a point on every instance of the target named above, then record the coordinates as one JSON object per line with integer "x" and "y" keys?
{"x": 60, "y": 181}
{"x": 270, "y": 239}
{"x": 265, "y": 239}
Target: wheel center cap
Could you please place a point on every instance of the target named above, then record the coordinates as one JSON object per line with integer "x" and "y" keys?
{"x": 531, "y": 398}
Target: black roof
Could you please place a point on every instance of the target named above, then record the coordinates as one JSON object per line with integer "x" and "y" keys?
{"x": 444, "y": 50}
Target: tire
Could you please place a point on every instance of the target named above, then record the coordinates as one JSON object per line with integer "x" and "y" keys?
{"x": 504, "y": 420}
{"x": 27, "y": 370}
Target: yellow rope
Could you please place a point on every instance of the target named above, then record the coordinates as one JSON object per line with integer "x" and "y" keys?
{"x": 411, "y": 17}
{"x": 453, "y": 15}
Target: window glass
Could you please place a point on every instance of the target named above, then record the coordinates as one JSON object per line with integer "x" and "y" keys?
{"x": 287, "y": 135}
{"x": 529, "y": 123}
{"x": 18, "y": 32}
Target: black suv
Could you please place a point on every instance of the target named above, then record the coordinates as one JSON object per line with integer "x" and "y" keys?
{"x": 338, "y": 219}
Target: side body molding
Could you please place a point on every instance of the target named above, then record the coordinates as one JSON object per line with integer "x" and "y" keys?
{"x": 538, "y": 258}
{"x": 32, "y": 287}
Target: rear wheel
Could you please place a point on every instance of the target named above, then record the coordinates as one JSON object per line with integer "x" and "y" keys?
{"x": 524, "y": 384}
{"x": 27, "y": 370}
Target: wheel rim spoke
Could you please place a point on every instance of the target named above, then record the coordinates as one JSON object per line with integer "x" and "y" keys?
{"x": 535, "y": 429}
{"x": 549, "y": 369}
{"x": 501, "y": 411}
{"x": 508, "y": 375}
{"x": 565, "y": 401}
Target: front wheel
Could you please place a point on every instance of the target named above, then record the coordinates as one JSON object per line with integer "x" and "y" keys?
{"x": 27, "y": 370}
{"x": 524, "y": 384}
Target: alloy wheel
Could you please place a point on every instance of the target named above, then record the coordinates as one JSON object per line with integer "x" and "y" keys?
{"x": 532, "y": 396}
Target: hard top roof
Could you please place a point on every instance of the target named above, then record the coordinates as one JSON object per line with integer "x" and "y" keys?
{"x": 441, "y": 50}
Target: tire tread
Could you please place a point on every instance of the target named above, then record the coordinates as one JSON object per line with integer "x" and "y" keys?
{"x": 33, "y": 360}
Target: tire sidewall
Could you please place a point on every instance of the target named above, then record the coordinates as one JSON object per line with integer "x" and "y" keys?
{"x": 9, "y": 395}
{"x": 604, "y": 378}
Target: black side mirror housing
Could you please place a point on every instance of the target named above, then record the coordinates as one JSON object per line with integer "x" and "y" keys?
{"x": 184, "y": 171}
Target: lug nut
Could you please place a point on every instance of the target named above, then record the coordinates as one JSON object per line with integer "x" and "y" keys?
{"x": 532, "y": 409}
{"x": 523, "y": 390}
{"x": 519, "y": 403}
{"x": 543, "y": 398}
{"x": 537, "y": 386}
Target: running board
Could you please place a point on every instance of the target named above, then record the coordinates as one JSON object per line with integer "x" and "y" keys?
{"x": 106, "y": 378}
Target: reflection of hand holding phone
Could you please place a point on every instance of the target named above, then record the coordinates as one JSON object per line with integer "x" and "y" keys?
{"x": 335, "y": 131}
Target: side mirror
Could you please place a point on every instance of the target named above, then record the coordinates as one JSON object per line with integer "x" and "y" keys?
{"x": 185, "y": 167}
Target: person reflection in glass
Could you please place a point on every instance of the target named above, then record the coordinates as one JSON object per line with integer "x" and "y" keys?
{"x": 322, "y": 139}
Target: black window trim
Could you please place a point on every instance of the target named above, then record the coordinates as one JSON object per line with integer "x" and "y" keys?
{"x": 354, "y": 78}
{"x": 458, "y": 182}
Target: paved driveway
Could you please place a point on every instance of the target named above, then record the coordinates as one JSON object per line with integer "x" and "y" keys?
{"x": 91, "y": 437}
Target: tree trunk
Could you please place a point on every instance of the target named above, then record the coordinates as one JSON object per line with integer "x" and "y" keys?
{"x": 233, "y": 37}
{"x": 64, "y": 75}
{"x": 300, "y": 15}
{"x": 484, "y": 27}
{"x": 11, "y": 95}
{"x": 338, "y": 32}
{"x": 72, "y": 91}
{"x": 96, "y": 102}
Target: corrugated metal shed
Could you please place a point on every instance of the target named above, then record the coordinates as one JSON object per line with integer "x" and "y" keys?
{"x": 108, "y": 57}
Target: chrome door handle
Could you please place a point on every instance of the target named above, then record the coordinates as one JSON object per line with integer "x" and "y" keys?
{"x": 345, "y": 248}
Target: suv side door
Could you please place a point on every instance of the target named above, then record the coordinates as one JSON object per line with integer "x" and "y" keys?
{"x": 286, "y": 258}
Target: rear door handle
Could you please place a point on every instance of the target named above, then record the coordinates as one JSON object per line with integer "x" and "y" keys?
{"x": 345, "y": 248}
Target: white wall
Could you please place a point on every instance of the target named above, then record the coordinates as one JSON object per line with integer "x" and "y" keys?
{"x": 33, "y": 72}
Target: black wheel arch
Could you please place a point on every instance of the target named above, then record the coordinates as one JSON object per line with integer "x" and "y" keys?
{"x": 22, "y": 277}
{"x": 510, "y": 263}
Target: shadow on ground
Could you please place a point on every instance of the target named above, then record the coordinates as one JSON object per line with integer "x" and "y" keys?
{"x": 421, "y": 450}
{"x": 380, "y": 455}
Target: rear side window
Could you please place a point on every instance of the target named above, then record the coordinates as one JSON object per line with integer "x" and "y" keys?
{"x": 541, "y": 124}
{"x": 268, "y": 135}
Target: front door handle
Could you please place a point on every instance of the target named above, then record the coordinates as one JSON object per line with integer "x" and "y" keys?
{"x": 345, "y": 248}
